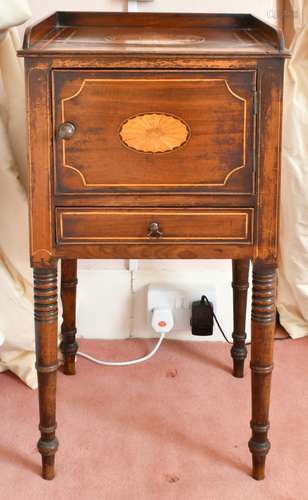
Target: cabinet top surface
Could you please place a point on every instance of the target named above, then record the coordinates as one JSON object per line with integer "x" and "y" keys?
{"x": 80, "y": 33}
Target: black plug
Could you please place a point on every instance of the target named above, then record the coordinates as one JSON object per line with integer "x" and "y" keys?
{"x": 202, "y": 317}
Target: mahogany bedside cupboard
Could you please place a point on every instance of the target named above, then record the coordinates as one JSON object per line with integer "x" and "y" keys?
{"x": 154, "y": 136}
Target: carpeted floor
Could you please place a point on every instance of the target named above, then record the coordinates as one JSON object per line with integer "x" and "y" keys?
{"x": 174, "y": 428}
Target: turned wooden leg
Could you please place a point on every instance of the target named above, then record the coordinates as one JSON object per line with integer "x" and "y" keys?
{"x": 263, "y": 332}
{"x": 240, "y": 272}
{"x": 46, "y": 336}
{"x": 68, "y": 345}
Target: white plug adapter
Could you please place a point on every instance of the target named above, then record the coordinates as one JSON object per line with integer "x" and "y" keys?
{"x": 162, "y": 320}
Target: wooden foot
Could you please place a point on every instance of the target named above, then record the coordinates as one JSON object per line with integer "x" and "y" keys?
{"x": 258, "y": 466}
{"x": 68, "y": 345}
{"x": 46, "y": 336}
{"x": 48, "y": 464}
{"x": 240, "y": 271}
{"x": 263, "y": 332}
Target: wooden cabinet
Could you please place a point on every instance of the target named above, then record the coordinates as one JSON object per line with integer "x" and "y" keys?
{"x": 154, "y": 136}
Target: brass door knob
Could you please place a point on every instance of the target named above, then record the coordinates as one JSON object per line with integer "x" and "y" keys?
{"x": 154, "y": 230}
{"x": 66, "y": 130}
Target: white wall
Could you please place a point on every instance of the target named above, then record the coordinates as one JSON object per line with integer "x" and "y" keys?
{"x": 262, "y": 8}
{"x": 111, "y": 299}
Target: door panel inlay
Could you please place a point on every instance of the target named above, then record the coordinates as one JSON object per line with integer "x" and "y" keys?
{"x": 154, "y": 133}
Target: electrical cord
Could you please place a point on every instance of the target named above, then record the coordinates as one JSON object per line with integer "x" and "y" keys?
{"x": 204, "y": 298}
{"x": 123, "y": 363}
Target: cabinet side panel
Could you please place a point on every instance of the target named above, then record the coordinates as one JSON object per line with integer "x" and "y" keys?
{"x": 39, "y": 162}
{"x": 270, "y": 87}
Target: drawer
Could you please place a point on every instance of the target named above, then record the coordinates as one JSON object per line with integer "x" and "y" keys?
{"x": 154, "y": 226}
{"x": 154, "y": 131}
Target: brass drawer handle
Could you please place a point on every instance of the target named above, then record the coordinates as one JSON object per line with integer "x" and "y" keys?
{"x": 154, "y": 231}
{"x": 66, "y": 130}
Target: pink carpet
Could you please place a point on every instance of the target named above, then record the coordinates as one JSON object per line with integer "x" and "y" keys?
{"x": 174, "y": 428}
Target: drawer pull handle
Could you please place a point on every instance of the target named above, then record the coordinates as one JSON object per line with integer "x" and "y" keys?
{"x": 154, "y": 231}
{"x": 66, "y": 130}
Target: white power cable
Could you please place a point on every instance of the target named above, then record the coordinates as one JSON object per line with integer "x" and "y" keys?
{"x": 124, "y": 363}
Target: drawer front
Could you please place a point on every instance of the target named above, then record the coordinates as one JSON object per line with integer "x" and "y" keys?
{"x": 154, "y": 131}
{"x": 154, "y": 226}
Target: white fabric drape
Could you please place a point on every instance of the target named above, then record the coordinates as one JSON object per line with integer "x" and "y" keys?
{"x": 16, "y": 319}
{"x": 293, "y": 265}
{"x": 13, "y": 13}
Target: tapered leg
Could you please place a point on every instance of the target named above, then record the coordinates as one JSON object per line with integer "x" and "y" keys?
{"x": 263, "y": 332}
{"x": 240, "y": 271}
{"x": 46, "y": 336}
{"x": 69, "y": 346}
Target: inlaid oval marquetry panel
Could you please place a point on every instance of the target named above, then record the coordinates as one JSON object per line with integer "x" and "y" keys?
{"x": 135, "y": 38}
{"x": 154, "y": 133}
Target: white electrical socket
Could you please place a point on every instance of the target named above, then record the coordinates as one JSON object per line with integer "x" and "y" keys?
{"x": 178, "y": 300}
{"x": 133, "y": 264}
{"x": 132, "y": 5}
{"x": 212, "y": 278}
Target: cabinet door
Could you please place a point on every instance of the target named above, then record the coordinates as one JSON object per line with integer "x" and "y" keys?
{"x": 162, "y": 132}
